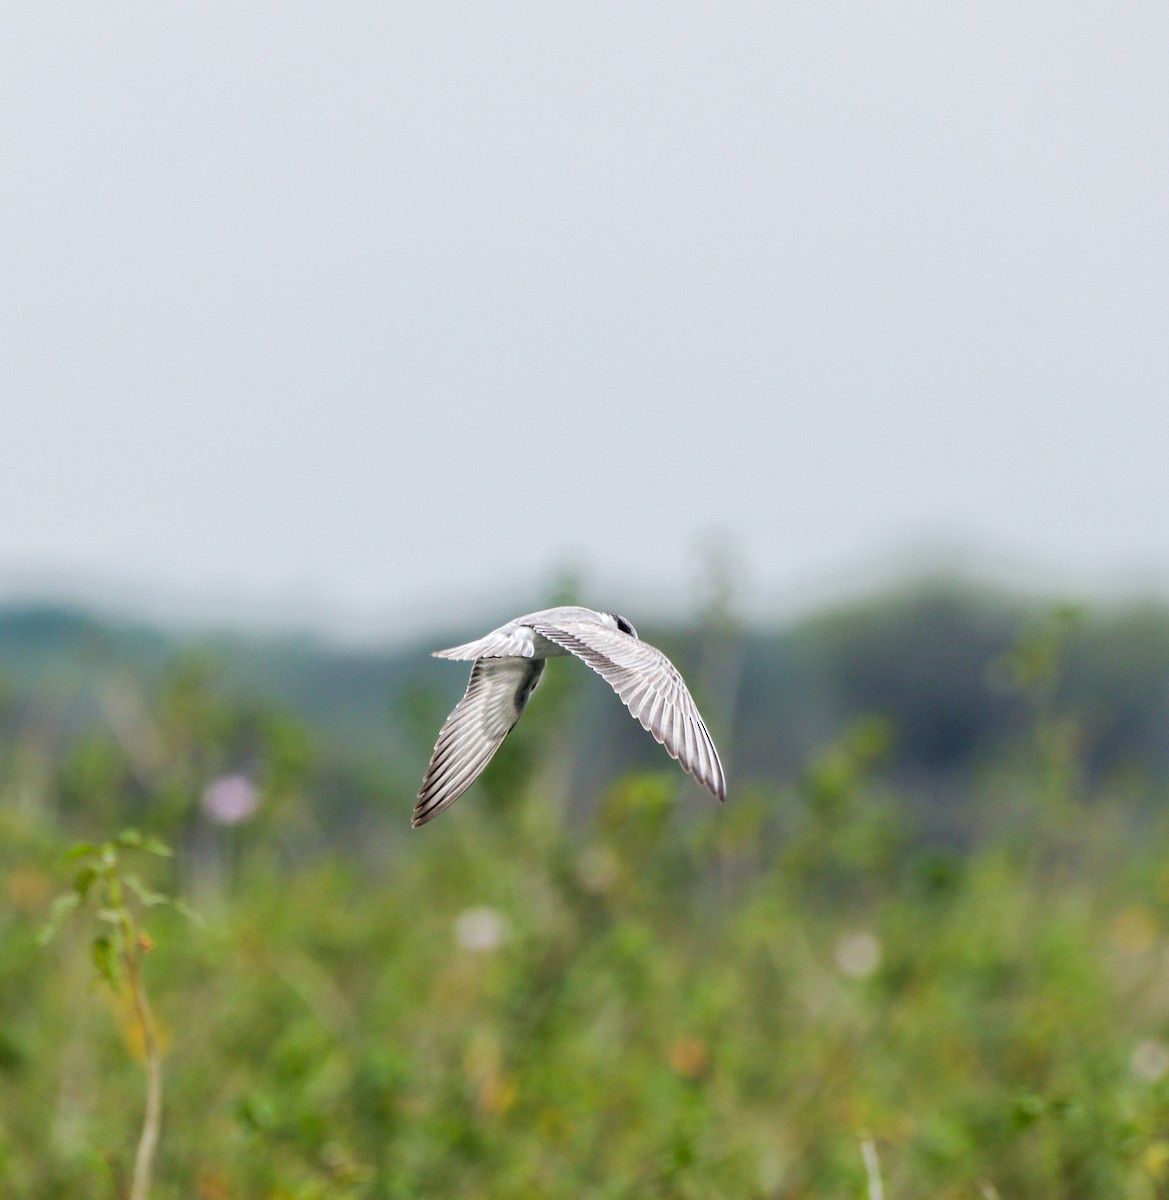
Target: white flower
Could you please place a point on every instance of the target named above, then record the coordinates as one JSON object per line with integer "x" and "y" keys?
{"x": 1150, "y": 1060}
{"x": 481, "y": 929}
{"x": 858, "y": 955}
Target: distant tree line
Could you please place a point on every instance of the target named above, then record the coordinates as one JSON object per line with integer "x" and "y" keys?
{"x": 960, "y": 673}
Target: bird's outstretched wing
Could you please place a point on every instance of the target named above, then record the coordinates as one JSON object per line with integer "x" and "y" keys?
{"x": 496, "y": 695}
{"x": 652, "y": 689}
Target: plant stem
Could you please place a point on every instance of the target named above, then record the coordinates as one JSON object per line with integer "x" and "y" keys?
{"x": 152, "y": 1121}
{"x": 872, "y": 1167}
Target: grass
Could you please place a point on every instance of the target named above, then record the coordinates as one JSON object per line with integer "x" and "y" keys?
{"x": 792, "y": 995}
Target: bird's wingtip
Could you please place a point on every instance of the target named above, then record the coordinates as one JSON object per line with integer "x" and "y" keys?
{"x": 718, "y": 788}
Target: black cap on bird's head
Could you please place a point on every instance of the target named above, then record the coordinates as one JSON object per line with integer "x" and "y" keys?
{"x": 624, "y": 625}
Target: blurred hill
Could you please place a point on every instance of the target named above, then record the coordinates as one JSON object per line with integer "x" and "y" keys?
{"x": 938, "y": 659}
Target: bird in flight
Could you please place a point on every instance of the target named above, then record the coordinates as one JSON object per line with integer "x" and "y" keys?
{"x": 508, "y": 664}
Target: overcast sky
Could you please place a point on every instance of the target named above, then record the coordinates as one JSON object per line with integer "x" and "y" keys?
{"x": 369, "y": 312}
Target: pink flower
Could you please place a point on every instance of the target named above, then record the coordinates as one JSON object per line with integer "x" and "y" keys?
{"x": 230, "y": 799}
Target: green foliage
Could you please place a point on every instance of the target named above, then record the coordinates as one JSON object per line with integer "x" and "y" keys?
{"x": 933, "y": 657}
{"x": 116, "y": 898}
{"x": 103, "y": 886}
{"x": 639, "y": 997}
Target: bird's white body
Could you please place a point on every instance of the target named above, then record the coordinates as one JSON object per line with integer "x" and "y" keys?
{"x": 508, "y": 664}
{"x": 520, "y": 639}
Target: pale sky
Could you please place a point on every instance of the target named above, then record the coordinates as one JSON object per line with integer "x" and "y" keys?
{"x": 367, "y": 313}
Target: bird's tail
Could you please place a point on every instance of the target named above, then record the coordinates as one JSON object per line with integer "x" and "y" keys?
{"x": 470, "y": 650}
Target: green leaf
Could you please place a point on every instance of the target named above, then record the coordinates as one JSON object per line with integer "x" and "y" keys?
{"x": 181, "y": 906}
{"x": 1026, "y": 1109}
{"x": 81, "y": 850}
{"x": 61, "y": 907}
{"x": 145, "y": 895}
{"x": 105, "y": 961}
{"x": 84, "y": 881}
{"x": 133, "y": 839}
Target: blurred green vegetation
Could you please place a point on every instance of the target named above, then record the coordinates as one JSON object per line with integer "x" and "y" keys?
{"x": 581, "y": 983}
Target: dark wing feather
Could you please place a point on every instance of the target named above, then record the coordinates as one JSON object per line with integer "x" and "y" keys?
{"x": 495, "y": 697}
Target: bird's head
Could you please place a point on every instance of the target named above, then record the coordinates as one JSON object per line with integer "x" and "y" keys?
{"x": 622, "y": 624}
